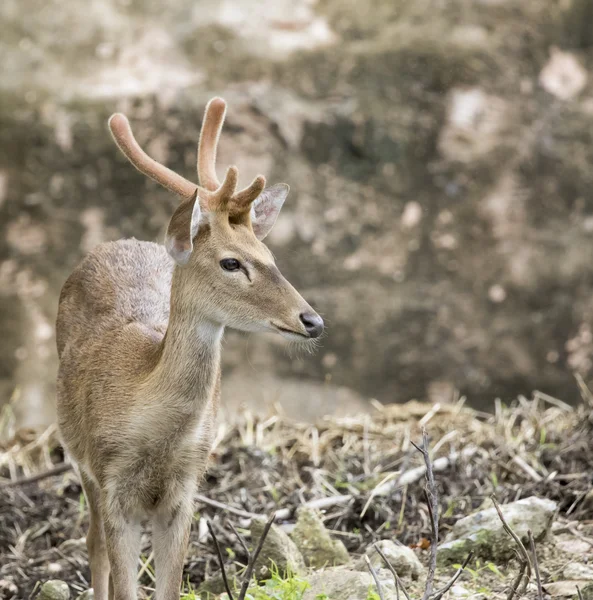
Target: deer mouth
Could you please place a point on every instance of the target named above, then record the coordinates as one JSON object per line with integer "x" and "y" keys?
{"x": 290, "y": 331}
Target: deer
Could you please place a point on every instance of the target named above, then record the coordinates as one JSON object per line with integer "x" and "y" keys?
{"x": 139, "y": 332}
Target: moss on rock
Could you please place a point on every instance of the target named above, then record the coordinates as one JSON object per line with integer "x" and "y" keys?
{"x": 315, "y": 543}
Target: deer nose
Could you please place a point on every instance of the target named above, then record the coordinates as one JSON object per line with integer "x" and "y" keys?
{"x": 313, "y": 324}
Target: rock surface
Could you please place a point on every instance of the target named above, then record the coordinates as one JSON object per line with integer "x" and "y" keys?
{"x": 342, "y": 584}
{"x": 54, "y": 590}
{"x": 483, "y": 533}
{"x": 279, "y": 552}
{"x": 578, "y": 571}
{"x": 315, "y": 542}
{"x": 572, "y": 545}
{"x": 214, "y": 585}
{"x": 564, "y": 589}
{"x": 401, "y": 558}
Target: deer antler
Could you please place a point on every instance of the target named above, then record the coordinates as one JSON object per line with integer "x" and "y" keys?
{"x": 213, "y": 194}
{"x": 237, "y": 202}
{"x": 124, "y": 138}
{"x": 211, "y": 128}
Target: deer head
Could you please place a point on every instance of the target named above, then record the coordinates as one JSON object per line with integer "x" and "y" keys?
{"x": 226, "y": 273}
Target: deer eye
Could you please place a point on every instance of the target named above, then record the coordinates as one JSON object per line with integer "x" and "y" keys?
{"x": 230, "y": 264}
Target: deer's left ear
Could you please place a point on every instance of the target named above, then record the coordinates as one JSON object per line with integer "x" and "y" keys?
{"x": 183, "y": 228}
{"x": 265, "y": 210}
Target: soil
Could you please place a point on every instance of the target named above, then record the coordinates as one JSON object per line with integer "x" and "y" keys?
{"x": 261, "y": 466}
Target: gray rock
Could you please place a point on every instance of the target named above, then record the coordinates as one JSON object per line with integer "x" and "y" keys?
{"x": 458, "y": 591}
{"x": 572, "y": 545}
{"x": 401, "y": 558}
{"x": 54, "y": 590}
{"x": 563, "y": 589}
{"x": 483, "y": 532}
{"x": 342, "y": 584}
{"x": 315, "y": 542}
{"x": 279, "y": 552}
{"x": 214, "y": 586}
{"x": 578, "y": 571}
{"x": 87, "y": 595}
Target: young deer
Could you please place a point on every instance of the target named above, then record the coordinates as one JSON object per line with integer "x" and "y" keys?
{"x": 139, "y": 332}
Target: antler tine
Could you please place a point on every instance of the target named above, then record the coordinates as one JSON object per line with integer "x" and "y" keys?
{"x": 246, "y": 196}
{"x": 211, "y": 128}
{"x": 124, "y": 138}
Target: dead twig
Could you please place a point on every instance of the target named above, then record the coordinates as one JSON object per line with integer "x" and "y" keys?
{"x": 579, "y": 593}
{"x": 440, "y": 593}
{"x": 398, "y": 583}
{"x": 221, "y": 506}
{"x": 241, "y": 540}
{"x": 540, "y": 592}
{"x": 375, "y": 576}
{"x": 253, "y": 558}
{"x": 433, "y": 511}
{"x": 522, "y": 551}
{"x": 220, "y": 562}
{"x": 517, "y": 581}
{"x": 57, "y": 470}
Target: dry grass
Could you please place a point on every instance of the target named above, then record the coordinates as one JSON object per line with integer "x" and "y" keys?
{"x": 364, "y": 472}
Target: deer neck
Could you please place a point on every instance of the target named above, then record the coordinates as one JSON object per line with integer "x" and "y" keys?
{"x": 189, "y": 363}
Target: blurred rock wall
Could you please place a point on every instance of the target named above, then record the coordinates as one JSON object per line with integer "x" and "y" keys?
{"x": 440, "y": 155}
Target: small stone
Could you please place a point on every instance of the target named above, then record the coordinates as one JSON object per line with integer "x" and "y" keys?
{"x": 573, "y": 546}
{"x": 88, "y": 595}
{"x": 342, "y": 584}
{"x": 7, "y": 589}
{"x": 54, "y": 568}
{"x": 458, "y": 591}
{"x": 315, "y": 542}
{"x": 578, "y": 571}
{"x": 483, "y": 533}
{"x": 563, "y": 589}
{"x": 401, "y": 558}
{"x": 54, "y": 590}
{"x": 279, "y": 551}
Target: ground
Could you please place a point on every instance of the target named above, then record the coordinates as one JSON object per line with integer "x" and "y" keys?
{"x": 439, "y": 156}
{"x": 533, "y": 447}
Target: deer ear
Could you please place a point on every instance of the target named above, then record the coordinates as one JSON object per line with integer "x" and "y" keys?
{"x": 182, "y": 229}
{"x": 265, "y": 210}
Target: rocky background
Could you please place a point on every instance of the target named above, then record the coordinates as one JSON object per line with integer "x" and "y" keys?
{"x": 440, "y": 155}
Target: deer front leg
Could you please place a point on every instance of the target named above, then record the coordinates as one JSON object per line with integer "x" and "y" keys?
{"x": 170, "y": 539}
{"x": 122, "y": 535}
{"x": 95, "y": 540}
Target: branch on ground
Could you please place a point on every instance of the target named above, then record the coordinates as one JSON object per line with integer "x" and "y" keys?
{"x": 251, "y": 558}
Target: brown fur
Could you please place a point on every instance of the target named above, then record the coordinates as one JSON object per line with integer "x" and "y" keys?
{"x": 139, "y": 341}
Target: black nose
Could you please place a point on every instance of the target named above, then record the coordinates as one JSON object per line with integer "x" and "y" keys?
{"x": 313, "y": 324}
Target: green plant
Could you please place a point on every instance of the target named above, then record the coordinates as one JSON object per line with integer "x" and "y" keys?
{"x": 480, "y": 568}
{"x": 291, "y": 587}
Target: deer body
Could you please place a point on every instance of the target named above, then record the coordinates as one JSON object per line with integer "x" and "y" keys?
{"x": 139, "y": 335}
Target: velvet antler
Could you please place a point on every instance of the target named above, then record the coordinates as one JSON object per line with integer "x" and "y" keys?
{"x": 213, "y": 195}
{"x": 124, "y": 138}
{"x": 237, "y": 202}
